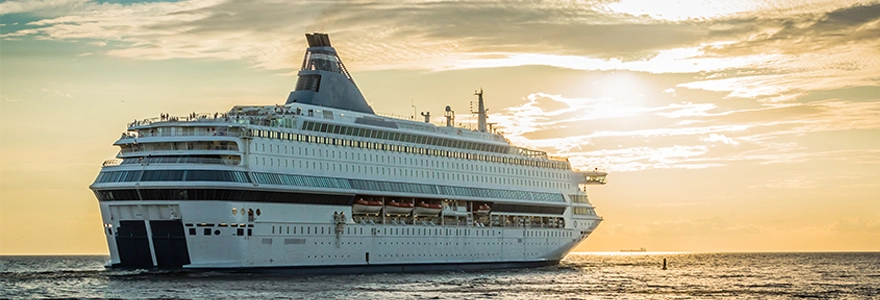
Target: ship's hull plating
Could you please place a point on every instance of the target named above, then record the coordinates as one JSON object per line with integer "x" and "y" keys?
{"x": 301, "y": 238}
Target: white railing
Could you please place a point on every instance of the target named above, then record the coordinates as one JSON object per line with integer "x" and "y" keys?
{"x": 193, "y": 117}
{"x": 233, "y": 133}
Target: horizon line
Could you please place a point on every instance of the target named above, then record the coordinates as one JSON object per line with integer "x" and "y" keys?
{"x": 570, "y": 253}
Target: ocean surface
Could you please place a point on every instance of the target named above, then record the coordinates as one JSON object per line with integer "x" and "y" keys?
{"x": 578, "y": 276}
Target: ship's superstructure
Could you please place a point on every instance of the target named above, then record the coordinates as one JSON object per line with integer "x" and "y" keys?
{"x": 323, "y": 183}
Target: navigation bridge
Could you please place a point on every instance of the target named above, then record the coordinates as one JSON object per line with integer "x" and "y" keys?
{"x": 594, "y": 176}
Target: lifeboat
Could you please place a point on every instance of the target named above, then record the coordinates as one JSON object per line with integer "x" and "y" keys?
{"x": 362, "y": 206}
{"x": 427, "y": 209}
{"x": 398, "y": 208}
{"x": 484, "y": 209}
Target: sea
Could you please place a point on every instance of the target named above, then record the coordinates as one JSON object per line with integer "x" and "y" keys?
{"x": 840, "y": 275}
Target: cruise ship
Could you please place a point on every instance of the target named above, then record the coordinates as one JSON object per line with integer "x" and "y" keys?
{"x": 324, "y": 184}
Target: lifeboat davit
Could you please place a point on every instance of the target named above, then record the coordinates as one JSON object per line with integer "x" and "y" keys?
{"x": 398, "y": 208}
{"x": 362, "y": 206}
{"x": 427, "y": 209}
{"x": 484, "y": 209}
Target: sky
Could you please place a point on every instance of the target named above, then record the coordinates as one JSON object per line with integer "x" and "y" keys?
{"x": 740, "y": 125}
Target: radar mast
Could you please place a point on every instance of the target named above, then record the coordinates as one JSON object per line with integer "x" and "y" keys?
{"x": 481, "y": 111}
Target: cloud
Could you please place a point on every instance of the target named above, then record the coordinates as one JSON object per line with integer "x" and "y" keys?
{"x": 57, "y": 93}
{"x": 808, "y": 51}
{"x": 719, "y": 138}
{"x": 40, "y": 7}
{"x": 10, "y": 100}
{"x": 855, "y": 225}
{"x": 632, "y": 136}
{"x": 413, "y": 30}
{"x": 187, "y": 29}
{"x": 777, "y": 54}
{"x": 769, "y": 51}
{"x": 791, "y": 183}
{"x": 839, "y": 39}
{"x": 643, "y": 158}
{"x": 804, "y": 33}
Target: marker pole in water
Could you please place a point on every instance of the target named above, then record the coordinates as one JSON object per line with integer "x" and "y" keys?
{"x": 664, "y": 264}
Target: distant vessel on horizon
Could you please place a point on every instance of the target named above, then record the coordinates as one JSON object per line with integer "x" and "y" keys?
{"x": 634, "y": 250}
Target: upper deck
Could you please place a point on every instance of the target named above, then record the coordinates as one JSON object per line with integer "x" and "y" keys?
{"x": 239, "y": 121}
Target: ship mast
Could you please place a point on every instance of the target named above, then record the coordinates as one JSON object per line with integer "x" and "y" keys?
{"x": 481, "y": 112}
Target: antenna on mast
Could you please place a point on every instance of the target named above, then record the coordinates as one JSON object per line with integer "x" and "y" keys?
{"x": 413, "y": 104}
{"x": 481, "y": 111}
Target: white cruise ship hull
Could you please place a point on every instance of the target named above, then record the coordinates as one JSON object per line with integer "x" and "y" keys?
{"x": 292, "y": 237}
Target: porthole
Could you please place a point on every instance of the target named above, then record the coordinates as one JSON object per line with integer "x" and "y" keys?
{"x": 216, "y": 232}
{"x": 258, "y": 211}
{"x": 234, "y": 211}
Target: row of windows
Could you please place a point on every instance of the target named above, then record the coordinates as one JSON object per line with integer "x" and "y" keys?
{"x": 513, "y": 208}
{"x": 502, "y": 194}
{"x": 584, "y": 211}
{"x": 403, "y": 187}
{"x": 283, "y": 197}
{"x": 419, "y": 231}
{"x": 172, "y": 175}
{"x": 326, "y": 182}
{"x": 407, "y": 187}
{"x": 440, "y": 168}
{"x": 178, "y": 146}
{"x": 118, "y": 176}
{"x": 579, "y": 198}
{"x": 187, "y": 159}
{"x": 301, "y": 180}
{"x": 402, "y": 137}
{"x": 409, "y": 149}
{"x": 222, "y": 194}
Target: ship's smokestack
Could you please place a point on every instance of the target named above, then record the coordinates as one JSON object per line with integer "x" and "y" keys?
{"x": 323, "y": 80}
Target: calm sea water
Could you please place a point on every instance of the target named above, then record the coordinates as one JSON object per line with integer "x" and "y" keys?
{"x": 579, "y": 276}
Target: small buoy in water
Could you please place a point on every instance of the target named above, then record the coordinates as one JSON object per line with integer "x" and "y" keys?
{"x": 664, "y": 264}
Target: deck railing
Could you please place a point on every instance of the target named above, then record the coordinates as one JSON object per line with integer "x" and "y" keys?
{"x": 171, "y": 160}
{"x": 232, "y": 133}
{"x": 168, "y": 147}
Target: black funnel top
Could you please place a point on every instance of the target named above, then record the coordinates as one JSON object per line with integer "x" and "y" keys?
{"x": 323, "y": 79}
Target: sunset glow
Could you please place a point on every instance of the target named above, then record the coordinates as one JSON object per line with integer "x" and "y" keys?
{"x": 748, "y": 125}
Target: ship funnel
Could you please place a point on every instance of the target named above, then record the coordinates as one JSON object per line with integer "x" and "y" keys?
{"x": 323, "y": 80}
